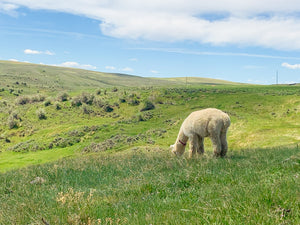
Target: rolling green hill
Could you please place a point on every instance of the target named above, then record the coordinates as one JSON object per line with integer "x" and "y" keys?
{"x": 52, "y": 78}
{"x": 83, "y": 147}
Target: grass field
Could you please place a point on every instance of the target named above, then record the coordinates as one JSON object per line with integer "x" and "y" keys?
{"x": 80, "y": 147}
{"x": 149, "y": 186}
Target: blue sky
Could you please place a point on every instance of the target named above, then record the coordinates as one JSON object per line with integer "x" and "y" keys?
{"x": 227, "y": 40}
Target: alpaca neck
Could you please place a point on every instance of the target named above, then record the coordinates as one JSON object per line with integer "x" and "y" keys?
{"x": 181, "y": 138}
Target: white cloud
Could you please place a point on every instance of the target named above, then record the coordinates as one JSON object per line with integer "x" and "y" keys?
{"x": 154, "y": 71}
{"x": 291, "y": 66}
{"x": 36, "y": 52}
{"x": 8, "y": 8}
{"x": 31, "y": 52}
{"x": 110, "y": 68}
{"x": 77, "y": 65}
{"x": 127, "y": 69}
{"x": 47, "y": 52}
{"x": 268, "y": 23}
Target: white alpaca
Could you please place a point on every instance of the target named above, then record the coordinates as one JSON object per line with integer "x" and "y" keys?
{"x": 209, "y": 122}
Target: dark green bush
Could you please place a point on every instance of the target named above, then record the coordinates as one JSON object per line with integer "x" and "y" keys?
{"x": 62, "y": 97}
{"x": 148, "y": 105}
{"x": 108, "y": 108}
{"x": 41, "y": 114}
{"x": 57, "y": 106}
{"x": 47, "y": 103}
{"x": 76, "y": 101}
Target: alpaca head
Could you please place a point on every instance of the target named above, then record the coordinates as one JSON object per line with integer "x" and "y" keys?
{"x": 177, "y": 148}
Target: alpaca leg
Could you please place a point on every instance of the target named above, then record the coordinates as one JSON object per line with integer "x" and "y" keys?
{"x": 200, "y": 149}
{"x": 224, "y": 145}
{"x": 215, "y": 138}
{"x": 193, "y": 145}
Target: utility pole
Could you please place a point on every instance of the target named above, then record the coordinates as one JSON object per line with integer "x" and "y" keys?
{"x": 277, "y": 77}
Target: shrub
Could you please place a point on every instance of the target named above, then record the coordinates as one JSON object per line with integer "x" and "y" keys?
{"x": 47, "y": 103}
{"x": 14, "y": 115}
{"x": 97, "y": 101}
{"x": 62, "y": 97}
{"x": 133, "y": 101}
{"x": 12, "y": 123}
{"x": 37, "y": 98}
{"x": 98, "y": 92}
{"x": 122, "y": 100}
{"x": 87, "y": 109}
{"x": 27, "y": 146}
{"x": 87, "y": 98}
{"x": 83, "y": 98}
{"x": 145, "y": 116}
{"x": 108, "y": 108}
{"x": 63, "y": 142}
{"x": 57, "y": 106}
{"x": 41, "y": 114}
{"x": 76, "y": 101}
{"x": 22, "y": 100}
{"x": 148, "y": 105}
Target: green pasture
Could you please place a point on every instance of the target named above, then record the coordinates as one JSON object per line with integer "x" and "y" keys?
{"x": 82, "y": 147}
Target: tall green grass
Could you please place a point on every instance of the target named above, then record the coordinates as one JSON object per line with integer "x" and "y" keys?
{"x": 151, "y": 186}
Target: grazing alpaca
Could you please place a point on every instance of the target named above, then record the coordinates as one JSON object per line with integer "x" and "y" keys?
{"x": 209, "y": 122}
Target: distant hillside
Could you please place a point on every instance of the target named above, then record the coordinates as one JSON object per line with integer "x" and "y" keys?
{"x": 50, "y": 78}
{"x": 199, "y": 80}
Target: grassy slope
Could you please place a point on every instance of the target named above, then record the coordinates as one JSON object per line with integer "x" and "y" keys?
{"x": 261, "y": 117}
{"x": 147, "y": 185}
{"x": 199, "y": 80}
{"x": 51, "y": 78}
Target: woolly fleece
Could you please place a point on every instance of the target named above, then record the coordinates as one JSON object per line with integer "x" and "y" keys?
{"x": 210, "y": 122}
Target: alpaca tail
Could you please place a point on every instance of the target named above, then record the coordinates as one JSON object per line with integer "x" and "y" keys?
{"x": 226, "y": 122}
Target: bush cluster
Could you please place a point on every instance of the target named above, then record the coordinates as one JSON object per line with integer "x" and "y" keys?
{"x": 22, "y": 100}
{"x": 83, "y": 98}
{"x": 27, "y": 146}
{"x": 63, "y": 142}
{"x": 87, "y": 99}
{"x": 121, "y": 139}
